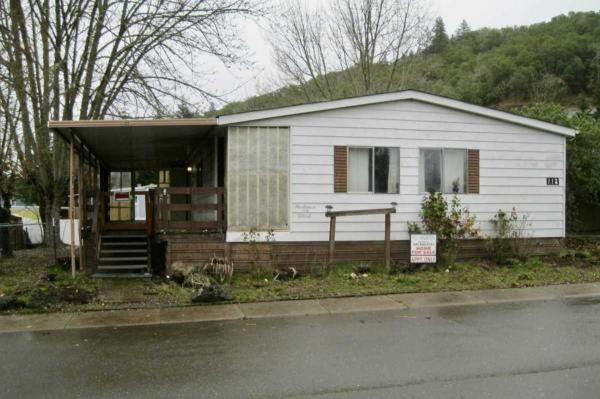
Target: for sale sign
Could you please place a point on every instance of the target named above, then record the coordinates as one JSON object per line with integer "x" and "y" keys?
{"x": 422, "y": 248}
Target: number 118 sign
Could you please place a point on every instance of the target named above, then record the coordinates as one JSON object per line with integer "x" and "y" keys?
{"x": 423, "y": 248}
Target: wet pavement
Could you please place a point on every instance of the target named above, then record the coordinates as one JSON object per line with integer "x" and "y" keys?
{"x": 524, "y": 349}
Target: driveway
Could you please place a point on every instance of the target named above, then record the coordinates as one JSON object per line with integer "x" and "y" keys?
{"x": 544, "y": 349}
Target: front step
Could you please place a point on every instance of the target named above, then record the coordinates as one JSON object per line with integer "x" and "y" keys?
{"x": 122, "y": 275}
{"x": 123, "y": 255}
{"x": 123, "y": 267}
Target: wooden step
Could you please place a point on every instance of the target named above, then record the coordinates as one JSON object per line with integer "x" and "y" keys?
{"x": 121, "y": 267}
{"x": 121, "y": 275}
{"x": 124, "y": 251}
{"x": 125, "y": 243}
{"x": 121, "y": 236}
{"x": 121, "y": 258}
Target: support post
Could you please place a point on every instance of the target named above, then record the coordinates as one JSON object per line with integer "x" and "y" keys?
{"x": 387, "y": 241}
{"x": 72, "y": 204}
{"x": 82, "y": 197}
{"x": 331, "y": 242}
{"x": 386, "y": 211}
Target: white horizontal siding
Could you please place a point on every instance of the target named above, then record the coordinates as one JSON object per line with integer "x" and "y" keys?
{"x": 514, "y": 163}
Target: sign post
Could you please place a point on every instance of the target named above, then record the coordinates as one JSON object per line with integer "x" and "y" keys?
{"x": 423, "y": 248}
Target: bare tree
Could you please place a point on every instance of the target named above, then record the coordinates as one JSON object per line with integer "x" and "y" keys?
{"x": 8, "y": 127}
{"x": 7, "y": 171}
{"x": 300, "y": 47}
{"x": 352, "y": 36}
{"x": 89, "y": 59}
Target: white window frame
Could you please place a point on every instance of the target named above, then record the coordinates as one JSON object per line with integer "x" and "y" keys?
{"x": 442, "y": 171}
{"x": 372, "y": 148}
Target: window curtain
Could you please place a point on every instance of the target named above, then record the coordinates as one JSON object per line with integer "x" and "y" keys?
{"x": 359, "y": 170}
{"x": 394, "y": 171}
{"x": 430, "y": 162}
{"x": 455, "y": 171}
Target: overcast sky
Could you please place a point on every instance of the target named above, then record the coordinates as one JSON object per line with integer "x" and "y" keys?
{"x": 261, "y": 77}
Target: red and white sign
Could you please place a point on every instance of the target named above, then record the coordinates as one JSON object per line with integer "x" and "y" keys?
{"x": 423, "y": 248}
{"x": 122, "y": 196}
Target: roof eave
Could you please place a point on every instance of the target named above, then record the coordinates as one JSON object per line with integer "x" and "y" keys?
{"x": 396, "y": 96}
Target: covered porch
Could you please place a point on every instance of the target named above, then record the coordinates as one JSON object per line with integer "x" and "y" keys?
{"x": 133, "y": 183}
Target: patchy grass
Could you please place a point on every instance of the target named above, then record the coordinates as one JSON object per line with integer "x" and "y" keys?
{"x": 26, "y": 276}
{"x": 31, "y": 277}
{"x": 28, "y": 213}
{"x": 462, "y": 276}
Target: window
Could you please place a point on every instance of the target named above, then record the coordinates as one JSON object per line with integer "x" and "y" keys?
{"x": 120, "y": 202}
{"x": 443, "y": 170}
{"x": 374, "y": 169}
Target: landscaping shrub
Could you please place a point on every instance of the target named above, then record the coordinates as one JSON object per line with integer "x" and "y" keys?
{"x": 449, "y": 222}
{"x": 509, "y": 239}
{"x": 257, "y": 245}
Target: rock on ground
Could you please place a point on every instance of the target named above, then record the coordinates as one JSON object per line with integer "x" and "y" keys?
{"x": 213, "y": 293}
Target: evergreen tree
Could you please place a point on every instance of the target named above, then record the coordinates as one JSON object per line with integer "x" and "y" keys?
{"x": 463, "y": 28}
{"x": 440, "y": 39}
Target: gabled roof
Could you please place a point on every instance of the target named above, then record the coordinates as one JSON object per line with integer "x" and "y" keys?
{"x": 395, "y": 96}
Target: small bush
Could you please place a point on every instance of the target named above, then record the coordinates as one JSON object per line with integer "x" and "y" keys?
{"x": 509, "y": 236}
{"x": 254, "y": 240}
{"x": 449, "y": 222}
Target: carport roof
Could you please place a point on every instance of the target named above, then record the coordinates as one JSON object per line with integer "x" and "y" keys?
{"x": 138, "y": 144}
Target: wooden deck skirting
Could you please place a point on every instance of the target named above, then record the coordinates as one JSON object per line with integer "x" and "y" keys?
{"x": 306, "y": 256}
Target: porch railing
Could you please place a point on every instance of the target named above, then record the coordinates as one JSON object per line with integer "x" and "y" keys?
{"x": 192, "y": 209}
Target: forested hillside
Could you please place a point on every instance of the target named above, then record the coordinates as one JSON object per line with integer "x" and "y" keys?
{"x": 555, "y": 61}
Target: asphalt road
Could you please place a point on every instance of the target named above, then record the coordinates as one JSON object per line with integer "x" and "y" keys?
{"x": 518, "y": 350}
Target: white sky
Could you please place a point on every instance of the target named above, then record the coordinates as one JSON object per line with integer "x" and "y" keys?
{"x": 262, "y": 76}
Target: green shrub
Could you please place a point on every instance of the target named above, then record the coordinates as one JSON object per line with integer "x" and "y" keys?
{"x": 449, "y": 222}
{"x": 509, "y": 237}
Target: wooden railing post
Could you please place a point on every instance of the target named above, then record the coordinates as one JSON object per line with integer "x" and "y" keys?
{"x": 331, "y": 242}
{"x": 361, "y": 212}
{"x": 72, "y": 204}
{"x": 388, "y": 228}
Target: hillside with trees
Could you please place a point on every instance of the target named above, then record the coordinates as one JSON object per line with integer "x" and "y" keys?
{"x": 555, "y": 61}
{"x": 548, "y": 71}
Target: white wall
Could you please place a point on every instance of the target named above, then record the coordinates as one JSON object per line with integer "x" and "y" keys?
{"x": 514, "y": 164}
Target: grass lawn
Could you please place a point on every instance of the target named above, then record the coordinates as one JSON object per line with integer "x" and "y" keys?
{"x": 26, "y": 276}
{"x": 28, "y": 213}
{"x": 462, "y": 276}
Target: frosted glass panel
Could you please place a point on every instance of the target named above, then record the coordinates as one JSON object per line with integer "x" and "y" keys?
{"x": 258, "y": 178}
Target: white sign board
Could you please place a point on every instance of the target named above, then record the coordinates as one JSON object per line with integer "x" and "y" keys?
{"x": 422, "y": 248}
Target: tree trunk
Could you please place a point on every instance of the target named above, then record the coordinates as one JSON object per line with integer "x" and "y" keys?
{"x": 51, "y": 221}
{"x": 5, "y": 245}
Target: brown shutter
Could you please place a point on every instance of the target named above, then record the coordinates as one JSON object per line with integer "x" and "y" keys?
{"x": 340, "y": 169}
{"x": 473, "y": 169}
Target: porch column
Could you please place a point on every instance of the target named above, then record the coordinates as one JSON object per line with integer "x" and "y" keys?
{"x": 81, "y": 181}
{"x": 72, "y": 204}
